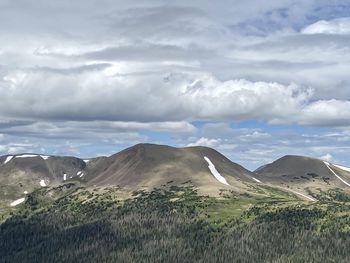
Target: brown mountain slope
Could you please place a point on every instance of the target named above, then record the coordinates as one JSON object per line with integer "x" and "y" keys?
{"x": 21, "y": 174}
{"x": 301, "y": 173}
{"x": 145, "y": 166}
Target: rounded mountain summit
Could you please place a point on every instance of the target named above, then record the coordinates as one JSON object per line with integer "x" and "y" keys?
{"x": 146, "y": 166}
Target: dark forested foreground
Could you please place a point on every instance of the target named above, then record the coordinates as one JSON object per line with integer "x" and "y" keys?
{"x": 173, "y": 225}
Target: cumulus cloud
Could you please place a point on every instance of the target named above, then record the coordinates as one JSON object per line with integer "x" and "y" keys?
{"x": 152, "y": 68}
{"x": 328, "y": 157}
{"x": 242, "y": 99}
{"x": 162, "y": 98}
{"x": 331, "y": 112}
{"x": 205, "y": 142}
{"x": 339, "y": 26}
{"x": 84, "y": 71}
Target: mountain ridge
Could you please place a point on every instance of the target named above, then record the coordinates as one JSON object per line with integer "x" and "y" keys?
{"x": 147, "y": 166}
{"x": 304, "y": 174}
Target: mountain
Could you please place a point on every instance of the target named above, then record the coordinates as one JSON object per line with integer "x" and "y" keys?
{"x": 22, "y": 173}
{"x": 83, "y": 216}
{"x": 305, "y": 174}
{"x": 141, "y": 167}
{"x": 150, "y": 166}
{"x": 146, "y": 166}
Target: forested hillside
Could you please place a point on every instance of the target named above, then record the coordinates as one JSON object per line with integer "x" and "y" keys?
{"x": 174, "y": 224}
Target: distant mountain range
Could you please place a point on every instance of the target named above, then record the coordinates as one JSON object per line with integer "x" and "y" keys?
{"x": 155, "y": 203}
{"x": 149, "y": 166}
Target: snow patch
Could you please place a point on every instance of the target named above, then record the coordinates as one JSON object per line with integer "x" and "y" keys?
{"x": 82, "y": 174}
{"x": 214, "y": 172}
{"x": 64, "y": 177}
{"x": 26, "y": 156}
{"x": 9, "y": 158}
{"x": 42, "y": 183}
{"x": 256, "y": 180}
{"x": 25, "y": 192}
{"x": 341, "y": 179}
{"x": 86, "y": 160}
{"x": 18, "y": 201}
{"x": 45, "y": 157}
{"x": 79, "y": 173}
{"x": 342, "y": 167}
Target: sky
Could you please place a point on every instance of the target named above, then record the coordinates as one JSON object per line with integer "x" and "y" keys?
{"x": 255, "y": 80}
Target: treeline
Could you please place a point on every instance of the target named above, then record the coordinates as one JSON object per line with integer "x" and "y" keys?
{"x": 163, "y": 227}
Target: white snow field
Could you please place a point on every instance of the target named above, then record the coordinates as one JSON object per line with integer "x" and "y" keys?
{"x": 256, "y": 180}
{"x": 341, "y": 179}
{"x": 42, "y": 183}
{"x": 26, "y": 156}
{"x": 9, "y": 158}
{"x": 45, "y": 157}
{"x": 18, "y": 201}
{"x": 342, "y": 167}
{"x": 214, "y": 172}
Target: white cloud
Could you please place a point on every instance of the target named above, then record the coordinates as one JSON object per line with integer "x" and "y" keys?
{"x": 256, "y": 135}
{"x": 9, "y": 147}
{"x": 242, "y": 99}
{"x": 180, "y": 126}
{"x": 175, "y": 73}
{"x": 252, "y": 153}
{"x": 205, "y": 142}
{"x": 132, "y": 100}
{"x": 96, "y": 129}
{"x": 328, "y": 157}
{"x": 339, "y": 26}
{"x": 326, "y": 112}
{"x": 103, "y": 74}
